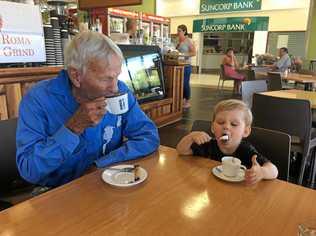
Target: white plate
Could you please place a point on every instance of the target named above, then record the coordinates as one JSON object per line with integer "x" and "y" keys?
{"x": 123, "y": 179}
{"x": 218, "y": 172}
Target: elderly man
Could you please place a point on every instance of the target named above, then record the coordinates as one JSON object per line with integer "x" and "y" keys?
{"x": 284, "y": 62}
{"x": 64, "y": 128}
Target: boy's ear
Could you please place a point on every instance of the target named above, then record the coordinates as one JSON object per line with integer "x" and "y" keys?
{"x": 74, "y": 76}
{"x": 247, "y": 131}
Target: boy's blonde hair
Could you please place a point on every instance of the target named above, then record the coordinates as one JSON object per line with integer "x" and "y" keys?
{"x": 234, "y": 104}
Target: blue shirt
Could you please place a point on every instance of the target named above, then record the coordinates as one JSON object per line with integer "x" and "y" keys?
{"x": 49, "y": 154}
{"x": 284, "y": 63}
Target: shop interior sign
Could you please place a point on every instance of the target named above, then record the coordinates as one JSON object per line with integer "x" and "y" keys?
{"x": 21, "y": 33}
{"x": 212, "y": 6}
{"x": 232, "y": 24}
{"x": 283, "y": 40}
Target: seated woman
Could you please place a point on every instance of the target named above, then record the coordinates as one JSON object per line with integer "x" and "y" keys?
{"x": 230, "y": 64}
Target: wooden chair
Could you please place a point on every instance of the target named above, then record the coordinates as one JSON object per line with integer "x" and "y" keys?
{"x": 222, "y": 78}
{"x": 291, "y": 116}
{"x": 274, "y": 81}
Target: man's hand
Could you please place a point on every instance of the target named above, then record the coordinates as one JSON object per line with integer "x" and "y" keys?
{"x": 255, "y": 173}
{"x": 200, "y": 137}
{"x": 88, "y": 114}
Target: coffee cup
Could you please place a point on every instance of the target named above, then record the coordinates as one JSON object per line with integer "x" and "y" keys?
{"x": 117, "y": 104}
{"x": 231, "y": 166}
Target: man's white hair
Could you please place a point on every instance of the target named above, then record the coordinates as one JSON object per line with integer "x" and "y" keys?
{"x": 88, "y": 46}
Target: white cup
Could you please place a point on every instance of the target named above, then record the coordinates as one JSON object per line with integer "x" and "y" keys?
{"x": 231, "y": 166}
{"x": 117, "y": 104}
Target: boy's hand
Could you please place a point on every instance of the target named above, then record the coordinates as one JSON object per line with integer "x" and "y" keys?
{"x": 255, "y": 173}
{"x": 200, "y": 137}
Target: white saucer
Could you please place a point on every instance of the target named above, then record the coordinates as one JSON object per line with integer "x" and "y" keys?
{"x": 122, "y": 179}
{"x": 218, "y": 172}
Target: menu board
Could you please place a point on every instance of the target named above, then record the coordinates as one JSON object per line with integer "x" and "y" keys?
{"x": 145, "y": 72}
{"x": 89, "y": 4}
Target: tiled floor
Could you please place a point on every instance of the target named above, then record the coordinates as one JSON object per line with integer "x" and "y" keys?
{"x": 208, "y": 80}
{"x": 204, "y": 96}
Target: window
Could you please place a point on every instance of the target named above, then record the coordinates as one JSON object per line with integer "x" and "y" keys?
{"x": 219, "y": 42}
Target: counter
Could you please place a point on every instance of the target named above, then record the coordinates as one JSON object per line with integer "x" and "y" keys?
{"x": 214, "y": 60}
{"x": 14, "y": 83}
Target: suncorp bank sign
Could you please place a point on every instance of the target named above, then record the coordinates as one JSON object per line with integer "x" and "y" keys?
{"x": 21, "y": 33}
{"x": 211, "y": 6}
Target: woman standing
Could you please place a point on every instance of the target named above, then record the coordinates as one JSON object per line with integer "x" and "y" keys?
{"x": 230, "y": 64}
{"x": 186, "y": 47}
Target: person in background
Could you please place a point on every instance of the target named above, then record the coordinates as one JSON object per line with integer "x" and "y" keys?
{"x": 284, "y": 62}
{"x": 1, "y": 22}
{"x": 64, "y": 128}
{"x": 186, "y": 47}
{"x": 131, "y": 29}
{"x": 230, "y": 64}
{"x": 231, "y": 118}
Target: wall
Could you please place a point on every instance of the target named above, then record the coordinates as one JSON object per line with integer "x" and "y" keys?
{"x": 189, "y": 7}
{"x": 276, "y": 19}
{"x": 148, "y": 6}
{"x": 311, "y": 51}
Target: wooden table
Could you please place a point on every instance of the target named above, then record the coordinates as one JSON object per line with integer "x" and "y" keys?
{"x": 295, "y": 93}
{"x": 180, "y": 197}
{"x": 307, "y": 80}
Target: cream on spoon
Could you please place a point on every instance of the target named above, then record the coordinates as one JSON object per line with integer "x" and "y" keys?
{"x": 224, "y": 137}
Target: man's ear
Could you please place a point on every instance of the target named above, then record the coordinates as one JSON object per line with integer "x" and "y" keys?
{"x": 247, "y": 131}
{"x": 75, "y": 76}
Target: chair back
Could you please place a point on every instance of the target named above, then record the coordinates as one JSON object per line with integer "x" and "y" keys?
{"x": 291, "y": 116}
{"x": 248, "y": 88}
{"x": 202, "y": 125}
{"x": 222, "y": 74}
{"x": 265, "y": 140}
{"x": 250, "y": 75}
{"x": 274, "y": 81}
{"x": 9, "y": 175}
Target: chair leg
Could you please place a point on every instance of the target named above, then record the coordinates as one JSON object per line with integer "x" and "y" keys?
{"x": 219, "y": 83}
{"x": 311, "y": 165}
{"x": 222, "y": 85}
{"x": 235, "y": 89}
{"x": 303, "y": 164}
{"x": 313, "y": 169}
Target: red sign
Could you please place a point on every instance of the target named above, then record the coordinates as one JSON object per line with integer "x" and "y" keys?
{"x": 123, "y": 13}
{"x": 158, "y": 19}
{"x": 89, "y": 4}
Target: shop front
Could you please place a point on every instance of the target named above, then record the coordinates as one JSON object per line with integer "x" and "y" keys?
{"x": 222, "y": 33}
{"x": 249, "y": 26}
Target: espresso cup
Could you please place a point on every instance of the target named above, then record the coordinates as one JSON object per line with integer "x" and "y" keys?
{"x": 231, "y": 166}
{"x": 117, "y": 104}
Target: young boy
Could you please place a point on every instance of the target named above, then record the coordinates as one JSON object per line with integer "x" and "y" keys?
{"x": 231, "y": 123}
